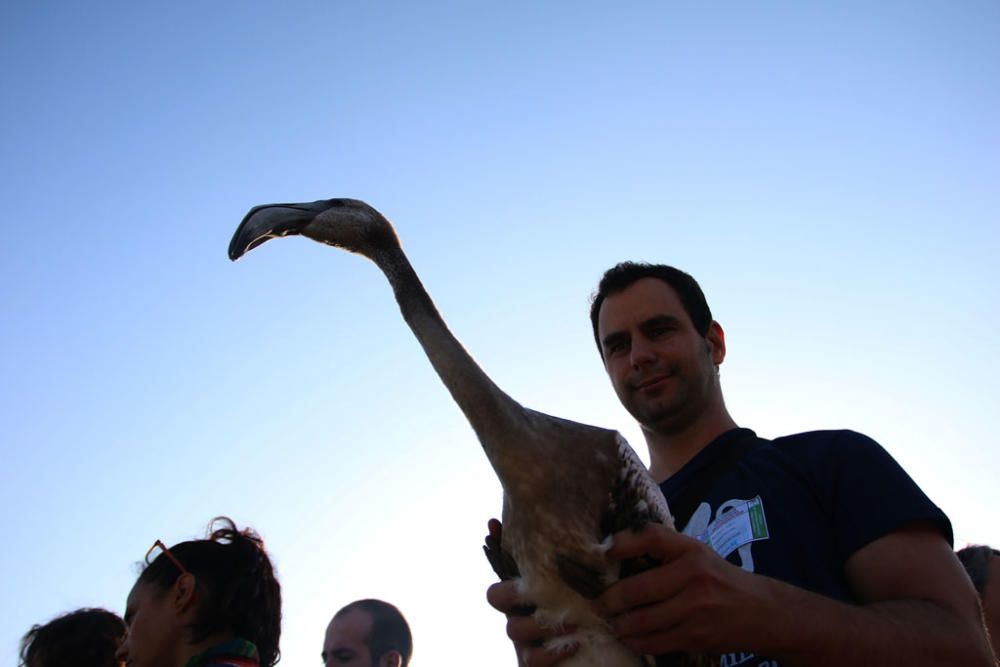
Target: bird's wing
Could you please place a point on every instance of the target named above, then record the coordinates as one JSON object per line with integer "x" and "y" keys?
{"x": 636, "y": 500}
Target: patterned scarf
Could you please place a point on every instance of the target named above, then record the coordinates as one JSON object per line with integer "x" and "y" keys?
{"x": 233, "y": 653}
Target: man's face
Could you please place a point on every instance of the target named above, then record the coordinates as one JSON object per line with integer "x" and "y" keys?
{"x": 662, "y": 369}
{"x": 346, "y": 641}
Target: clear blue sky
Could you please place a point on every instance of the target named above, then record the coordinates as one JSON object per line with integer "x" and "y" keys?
{"x": 829, "y": 171}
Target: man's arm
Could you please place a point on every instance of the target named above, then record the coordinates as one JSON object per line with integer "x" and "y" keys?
{"x": 918, "y": 608}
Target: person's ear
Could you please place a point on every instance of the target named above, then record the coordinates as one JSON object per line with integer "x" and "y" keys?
{"x": 391, "y": 659}
{"x": 716, "y": 339}
{"x": 184, "y": 592}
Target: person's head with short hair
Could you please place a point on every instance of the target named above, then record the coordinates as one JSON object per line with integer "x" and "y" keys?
{"x": 202, "y": 593}
{"x": 368, "y": 633}
{"x": 662, "y": 352}
{"x": 983, "y": 565}
{"x": 622, "y": 275}
{"x": 82, "y": 638}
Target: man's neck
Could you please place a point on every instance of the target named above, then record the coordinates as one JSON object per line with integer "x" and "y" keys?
{"x": 669, "y": 452}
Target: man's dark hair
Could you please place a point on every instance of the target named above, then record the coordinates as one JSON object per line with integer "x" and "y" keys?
{"x": 620, "y": 276}
{"x": 239, "y": 592}
{"x": 85, "y": 637}
{"x": 389, "y": 632}
{"x": 976, "y": 560}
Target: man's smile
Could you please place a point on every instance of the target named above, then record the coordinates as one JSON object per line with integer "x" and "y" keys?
{"x": 651, "y": 382}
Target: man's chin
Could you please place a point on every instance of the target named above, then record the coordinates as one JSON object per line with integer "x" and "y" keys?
{"x": 664, "y": 420}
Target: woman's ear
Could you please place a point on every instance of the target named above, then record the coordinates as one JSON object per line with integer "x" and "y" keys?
{"x": 184, "y": 592}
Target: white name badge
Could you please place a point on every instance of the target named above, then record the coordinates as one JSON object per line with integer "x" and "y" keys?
{"x": 741, "y": 524}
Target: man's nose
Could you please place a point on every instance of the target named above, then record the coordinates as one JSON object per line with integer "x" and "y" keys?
{"x": 641, "y": 353}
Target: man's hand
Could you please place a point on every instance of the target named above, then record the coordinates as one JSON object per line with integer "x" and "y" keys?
{"x": 526, "y": 633}
{"x": 693, "y": 601}
{"x": 916, "y": 606}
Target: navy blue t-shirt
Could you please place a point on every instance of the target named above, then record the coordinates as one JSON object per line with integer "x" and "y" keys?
{"x": 797, "y": 507}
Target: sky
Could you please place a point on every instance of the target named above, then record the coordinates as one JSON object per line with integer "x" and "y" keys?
{"x": 829, "y": 171}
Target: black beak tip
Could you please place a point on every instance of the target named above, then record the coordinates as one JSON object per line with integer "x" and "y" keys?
{"x": 237, "y": 246}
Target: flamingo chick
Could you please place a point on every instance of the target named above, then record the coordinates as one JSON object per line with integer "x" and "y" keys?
{"x": 567, "y": 486}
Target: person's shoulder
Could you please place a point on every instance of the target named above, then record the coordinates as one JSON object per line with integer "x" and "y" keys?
{"x": 826, "y": 444}
{"x": 829, "y": 438}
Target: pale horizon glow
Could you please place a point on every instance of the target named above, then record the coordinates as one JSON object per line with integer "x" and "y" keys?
{"x": 828, "y": 173}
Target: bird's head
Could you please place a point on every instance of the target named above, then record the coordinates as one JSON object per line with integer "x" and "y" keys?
{"x": 350, "y": 224}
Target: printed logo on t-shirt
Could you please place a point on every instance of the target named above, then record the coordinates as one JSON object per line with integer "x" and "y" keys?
{"x": 744, "y": 660}
{"x": 737, "y": 525}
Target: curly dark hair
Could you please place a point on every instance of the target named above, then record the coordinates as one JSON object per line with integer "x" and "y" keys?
{"x": 239, "y": 592}
{"x": 85, "y": 637}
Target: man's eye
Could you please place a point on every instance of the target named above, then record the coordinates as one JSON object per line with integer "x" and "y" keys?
{"x": 659, "y": 332}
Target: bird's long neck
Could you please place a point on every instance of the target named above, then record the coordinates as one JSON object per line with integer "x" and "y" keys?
{"x": 487, "y": 408}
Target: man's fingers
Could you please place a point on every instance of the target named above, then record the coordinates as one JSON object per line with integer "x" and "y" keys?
{"x": 682, "y": 559}
{"x": 654, "y": 540}
{"x": 526, "y": 630}
{"x": 651, "y": 631}
{"x": 504, "y": 597}
{"x": 652, "y": 586}
{"x": 642, "y": 621}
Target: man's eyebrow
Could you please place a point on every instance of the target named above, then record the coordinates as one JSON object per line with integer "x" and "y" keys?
{"x": 659, "y": 320}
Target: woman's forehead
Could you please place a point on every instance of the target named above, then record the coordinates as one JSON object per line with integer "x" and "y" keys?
{"x": 136, "y": 597}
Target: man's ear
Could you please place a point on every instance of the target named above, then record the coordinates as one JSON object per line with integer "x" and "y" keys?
{"x": 184, "y": 592}
{"x": 716, "y": 339}
{"x": 391, "y": 659}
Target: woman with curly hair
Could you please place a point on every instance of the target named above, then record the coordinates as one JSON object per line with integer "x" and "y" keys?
{"x": 84, "y": 638}
{"x": 204, "y": 603}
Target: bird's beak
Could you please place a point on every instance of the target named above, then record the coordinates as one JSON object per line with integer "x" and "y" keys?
{"x": 272, "y": 221}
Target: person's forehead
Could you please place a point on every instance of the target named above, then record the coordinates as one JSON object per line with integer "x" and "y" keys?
{"x": 352, "y": 626}
{"x": 135, "y": 597}
{"x": 643, "y": 299}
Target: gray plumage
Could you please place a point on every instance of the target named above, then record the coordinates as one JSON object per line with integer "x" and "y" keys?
{"x": 566, "y": 485}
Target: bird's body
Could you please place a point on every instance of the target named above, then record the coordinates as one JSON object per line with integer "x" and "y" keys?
{"x": 567, "y": 486}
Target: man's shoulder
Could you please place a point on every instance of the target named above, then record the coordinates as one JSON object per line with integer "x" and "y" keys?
{"x": 827, "y": 447}
{"x": 824, "y": 438}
